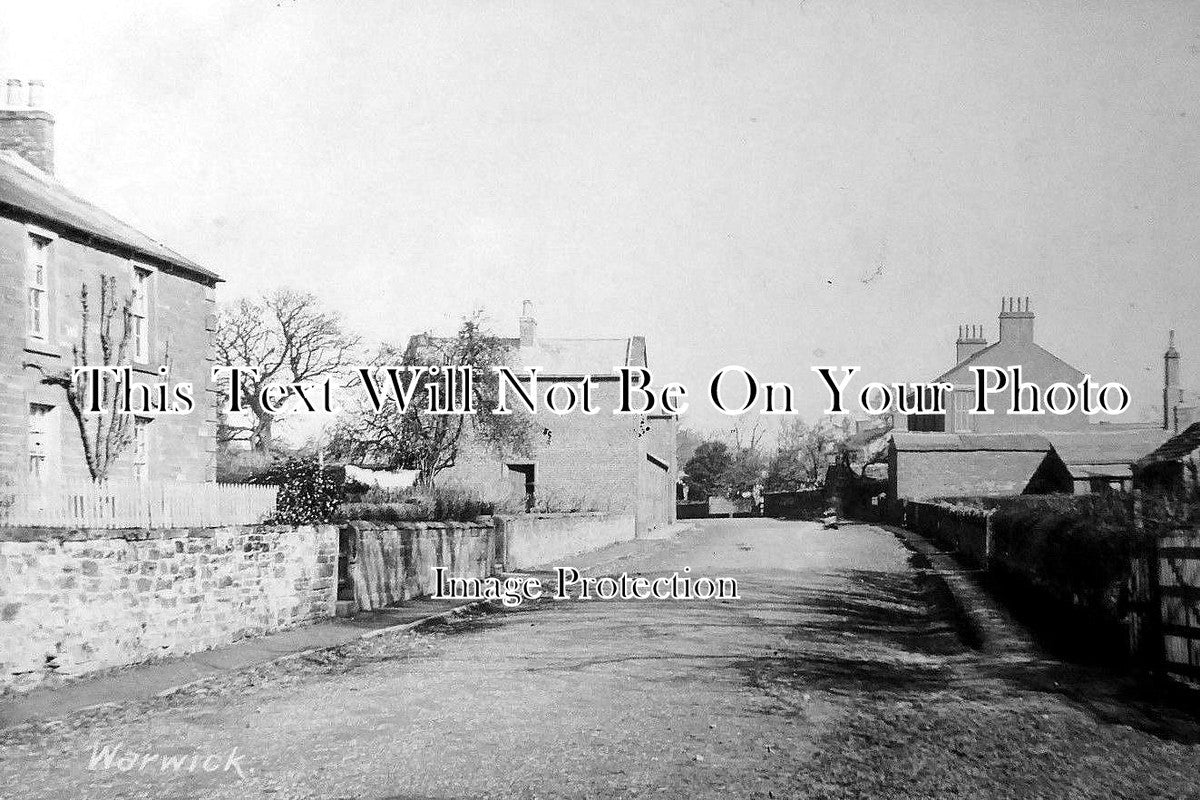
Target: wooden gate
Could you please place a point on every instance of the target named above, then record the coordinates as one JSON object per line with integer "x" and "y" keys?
{"x": 1177, "y": 586}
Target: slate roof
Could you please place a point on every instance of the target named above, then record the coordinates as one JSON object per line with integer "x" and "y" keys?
{"x": 970, "y": 442}
{"x": 1174, "y": 448}
{"x": 27, "y": 189}
{"x": 864, "y": 438}
{"x": 985, "y": 356}
{"x": 1112, "y": 447}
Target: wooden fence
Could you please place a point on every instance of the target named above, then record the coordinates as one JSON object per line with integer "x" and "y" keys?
{"x": 1174, "y": 589}
{"x": 136, "y": 505}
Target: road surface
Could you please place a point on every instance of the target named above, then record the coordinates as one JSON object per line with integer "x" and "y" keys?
{"x": 838, "y": 673}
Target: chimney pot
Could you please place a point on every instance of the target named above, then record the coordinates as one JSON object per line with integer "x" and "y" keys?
{"x": 970, "y": 341}
{"x": 37, "y": 94}
{"x": 1016, "y": 321}
{"x": 528, "y": 325}
{"x": 14, "y": 93}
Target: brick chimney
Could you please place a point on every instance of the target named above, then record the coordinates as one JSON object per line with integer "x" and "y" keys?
{"x": 26, "y": 127}
{"x": 970, "y": 341}
{"x": 1172, "y": 384}
{"x": 528, "y": 325}
{"x": 1016, "y": 321}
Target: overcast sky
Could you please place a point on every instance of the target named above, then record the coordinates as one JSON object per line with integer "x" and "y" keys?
{"x": 774, "y": 184}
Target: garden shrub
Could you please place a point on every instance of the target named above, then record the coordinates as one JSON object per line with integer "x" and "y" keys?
{"x": 1077, "y": 547}
{"x": 309, "y": 494}
{"x": 442, "y": 504}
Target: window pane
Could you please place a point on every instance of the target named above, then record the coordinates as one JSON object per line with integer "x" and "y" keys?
{"x": 37, "y": 312}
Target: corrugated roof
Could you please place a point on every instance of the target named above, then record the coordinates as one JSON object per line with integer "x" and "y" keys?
{"x": 966, "y": 442}
{"x": 1179, "y": 446}
{"x": 26, "y": 188}
{"x": 1106, "y": 446}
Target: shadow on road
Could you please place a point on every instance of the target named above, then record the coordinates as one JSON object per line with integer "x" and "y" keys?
{"x": 875, "y": 632}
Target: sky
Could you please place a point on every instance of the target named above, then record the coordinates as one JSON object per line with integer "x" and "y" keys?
{"x": 771, "y": 184}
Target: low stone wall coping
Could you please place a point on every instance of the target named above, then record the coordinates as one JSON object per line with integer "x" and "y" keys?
{"x": 45, "y": 534}
{"x": 564, "y": 514}
{"x": 412, "y": 525}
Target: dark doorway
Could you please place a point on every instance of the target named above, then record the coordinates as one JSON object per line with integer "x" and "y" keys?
{"x": 523, "y": 480}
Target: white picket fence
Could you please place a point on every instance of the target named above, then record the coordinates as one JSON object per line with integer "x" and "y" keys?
{"x": 136, "y": 505}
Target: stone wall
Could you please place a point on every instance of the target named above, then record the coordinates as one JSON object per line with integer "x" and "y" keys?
{"x": 391, "y": 562}
{"x": 72, "y": 602}
{"x": 534, "y": 540}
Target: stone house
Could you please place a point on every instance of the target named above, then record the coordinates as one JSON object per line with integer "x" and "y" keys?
{"x": 601, "y": 461}
{"x": 52, "y": 243}
{"x": 983, "y": 454}
{"x": 1015, "y": 346}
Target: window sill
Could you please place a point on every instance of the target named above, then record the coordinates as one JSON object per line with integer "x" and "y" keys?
{"x": 42, "y": 348}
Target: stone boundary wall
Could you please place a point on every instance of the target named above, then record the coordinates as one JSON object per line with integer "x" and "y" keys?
{"x": 391, "y": 562}
{"x": 532, "y": 540}
{"x": 77, "y": 601}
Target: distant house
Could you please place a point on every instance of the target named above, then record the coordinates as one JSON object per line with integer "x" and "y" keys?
{"x": 928, "y": 465}
{"x": 602, "y": 461}
{"x": 1015, "y": 346}
{"x": 52, "y": 243}
{"x": 997, "y": 453}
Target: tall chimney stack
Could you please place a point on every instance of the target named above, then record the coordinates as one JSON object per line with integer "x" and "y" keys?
{"x": 1172, "y": 384}
{"x": 970, "y": 341}
{"x": 1016, "y": 321}
{"x": 26, "y": 127}
{"x": 528, "y": 325}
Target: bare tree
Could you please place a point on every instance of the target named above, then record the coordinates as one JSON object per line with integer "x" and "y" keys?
{"x": 104, "y": 434}
{"x": 288, "y": 338}
{"x": 430, "y": 443}
{"x": 800, "y": 457}
{"x": 749, "y": 440}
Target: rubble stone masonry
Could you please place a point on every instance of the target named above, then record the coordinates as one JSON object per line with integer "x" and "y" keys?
{"x": 72, "y": 602}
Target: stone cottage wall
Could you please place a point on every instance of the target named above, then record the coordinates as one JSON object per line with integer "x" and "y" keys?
{"x": 72, "y": 602}
{"x": 181, "y": 321}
